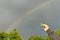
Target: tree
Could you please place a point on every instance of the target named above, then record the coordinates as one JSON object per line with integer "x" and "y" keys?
{"x": 35, "y": 38}
{"x": 48, "y": 38}
{"x": 57, "y": 32}
{"x": 3, "y": 36}
{"x": 14, "y": 35}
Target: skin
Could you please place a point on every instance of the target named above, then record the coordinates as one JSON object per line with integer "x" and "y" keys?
{"x": 45, "y": 26}
{"x": 50, "y": 33}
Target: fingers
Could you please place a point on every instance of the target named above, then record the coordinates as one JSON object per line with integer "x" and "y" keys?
{"x": 45, "y": 26}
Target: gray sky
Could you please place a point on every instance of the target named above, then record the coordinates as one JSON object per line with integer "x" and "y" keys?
{"x": 10, "y": 10}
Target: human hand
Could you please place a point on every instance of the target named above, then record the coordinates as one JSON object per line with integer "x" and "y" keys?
{"x": 45, "y": 26}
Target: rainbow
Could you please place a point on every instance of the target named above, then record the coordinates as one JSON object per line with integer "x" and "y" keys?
{"x": 19, "y": 20}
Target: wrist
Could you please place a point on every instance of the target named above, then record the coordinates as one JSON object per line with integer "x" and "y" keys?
{"x": 49, "y": 31}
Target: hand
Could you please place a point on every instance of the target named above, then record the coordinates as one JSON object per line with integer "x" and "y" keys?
{"x": 45, "y": 27}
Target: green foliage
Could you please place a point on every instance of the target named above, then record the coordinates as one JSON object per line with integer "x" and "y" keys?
{"x": 35, "y": 38}
{"x": 3, "y": 36}
{"x": 48, "y": 38}
{"x": 31, "y": 37}
{"x": 11, "y": 35}
{"x": 14, "y": 35}
{"x": 57, "y": 33}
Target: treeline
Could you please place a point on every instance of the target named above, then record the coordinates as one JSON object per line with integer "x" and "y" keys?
{"x": 57, "y": 32}
{"x": 14, "y": 35}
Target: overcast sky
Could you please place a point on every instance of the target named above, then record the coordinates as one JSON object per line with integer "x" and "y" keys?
{"x": 11, "y": 10}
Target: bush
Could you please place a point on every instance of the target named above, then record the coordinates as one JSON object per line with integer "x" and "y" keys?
{"x": 10, "y": 36}
{"x": 13, "y": 35}
{"x": 57, "y": 32}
